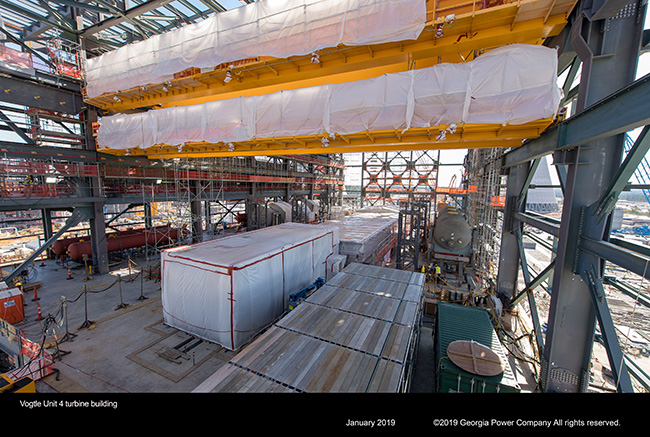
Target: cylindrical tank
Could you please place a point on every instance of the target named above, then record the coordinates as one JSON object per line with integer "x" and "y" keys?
{"x": 451, "y": 231}
{"x": 126, "y": 241}
{"x": 60, "y": 246}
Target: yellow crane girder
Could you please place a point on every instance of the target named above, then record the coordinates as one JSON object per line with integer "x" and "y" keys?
{"x": 472, "y": 30}
{"x": 464, "y": 137}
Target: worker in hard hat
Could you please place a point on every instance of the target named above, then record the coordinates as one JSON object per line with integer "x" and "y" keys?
{"x": 436, "y": 274}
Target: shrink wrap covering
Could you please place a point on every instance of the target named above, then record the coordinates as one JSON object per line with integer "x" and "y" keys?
{"x": 363, "y": 235}
{"x": 276, "y": 28}
{"x": 515, "y": 84}
{"x": 229, "y": 289}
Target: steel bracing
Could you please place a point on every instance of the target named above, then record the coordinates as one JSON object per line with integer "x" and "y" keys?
{"x": 587, "y": 151}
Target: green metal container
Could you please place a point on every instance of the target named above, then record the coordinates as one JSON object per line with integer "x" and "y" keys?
{"x": 457, "y": 322}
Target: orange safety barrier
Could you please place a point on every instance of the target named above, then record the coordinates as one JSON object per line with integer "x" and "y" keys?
{"x": 498, "y": 201}
{"x": 35, "y": 190}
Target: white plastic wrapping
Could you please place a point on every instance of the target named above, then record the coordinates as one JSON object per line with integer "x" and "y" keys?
{"x": 515, "y": 84}
{"x": 227, "y": 290}
{"x": 277, "y": 28}
{"x": 364, "y": 234}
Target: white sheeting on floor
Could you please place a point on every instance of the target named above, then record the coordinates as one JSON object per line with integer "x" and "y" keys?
{"x": 513, "y": 85}
{"x": 227, "y": 290}
{"x": 277, "y": 28}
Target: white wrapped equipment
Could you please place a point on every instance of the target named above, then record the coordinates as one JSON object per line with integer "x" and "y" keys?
{"x": 515, "y": 84}
{"x": 229, "y": 289}
{"x": 276, "y": 28}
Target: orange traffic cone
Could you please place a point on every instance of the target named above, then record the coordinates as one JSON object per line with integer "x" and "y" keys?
{"x": 69, "y": 274}
{"x": 38, "y": 307}
{"x": 35, "y": 295}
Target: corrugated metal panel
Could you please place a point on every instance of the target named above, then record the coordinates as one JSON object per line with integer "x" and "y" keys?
{"x": 456, "y": 322}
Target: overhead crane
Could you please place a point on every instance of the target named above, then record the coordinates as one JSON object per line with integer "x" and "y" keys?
{"x": 474, "y": 28}
{"x": 468, "y": 136}
{"x": 456, "y": 31}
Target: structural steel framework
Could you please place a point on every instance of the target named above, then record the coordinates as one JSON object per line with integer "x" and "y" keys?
{"x": 587, "y": 151}
{"x": 601, "y": 41}
{"x": 392, "y": 177}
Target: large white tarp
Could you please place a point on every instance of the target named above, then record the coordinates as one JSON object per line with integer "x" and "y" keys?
{"x": 227, "y": 290}
{"x": 515, "y": 84}
{"x": 277, "y": 28}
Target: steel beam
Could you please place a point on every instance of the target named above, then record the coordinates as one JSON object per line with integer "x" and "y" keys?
{"x": 129, "y": 14}
{"x": 540, "y": 222}
{"x": 628, "y": 289}
{"x": 39, "y": 95}
{"x": 83, "y": 5}
{"x": 22, "y": 203}
{"x": 608, "y": 331}
{"x": 18, "y": 131}
{"x": 625, "y": 258}
{"x": 529, "y": 179}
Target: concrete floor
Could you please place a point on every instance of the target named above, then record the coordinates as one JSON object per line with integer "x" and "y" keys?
{"x": 114, "y": 341}
{"x": 117, "y": 343}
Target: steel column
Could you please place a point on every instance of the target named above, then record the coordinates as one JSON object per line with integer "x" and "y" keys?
{"x": 98, "y": 220}
{"x": 606, "y": 49}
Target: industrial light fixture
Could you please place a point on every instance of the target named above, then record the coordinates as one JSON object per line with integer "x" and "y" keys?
{"x": 442, "y": 136}
{"x": 165, "y": 89}
{"x": 231, "y": 147}
{"x": 315, "y": 59}
{"x": 180, "y": 148}
{"x": 325, "y": 141}
{"x": 116, "y": 98}
{"x": 228, "y": 77}
{"x": 452, "y": 128}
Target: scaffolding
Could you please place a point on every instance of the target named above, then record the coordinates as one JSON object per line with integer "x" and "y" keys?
{"x": 67, "y": 58}
{"x": 197, "y": 198}
{"x": 484, "y": 209}
{"x": 411, "y": 234}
